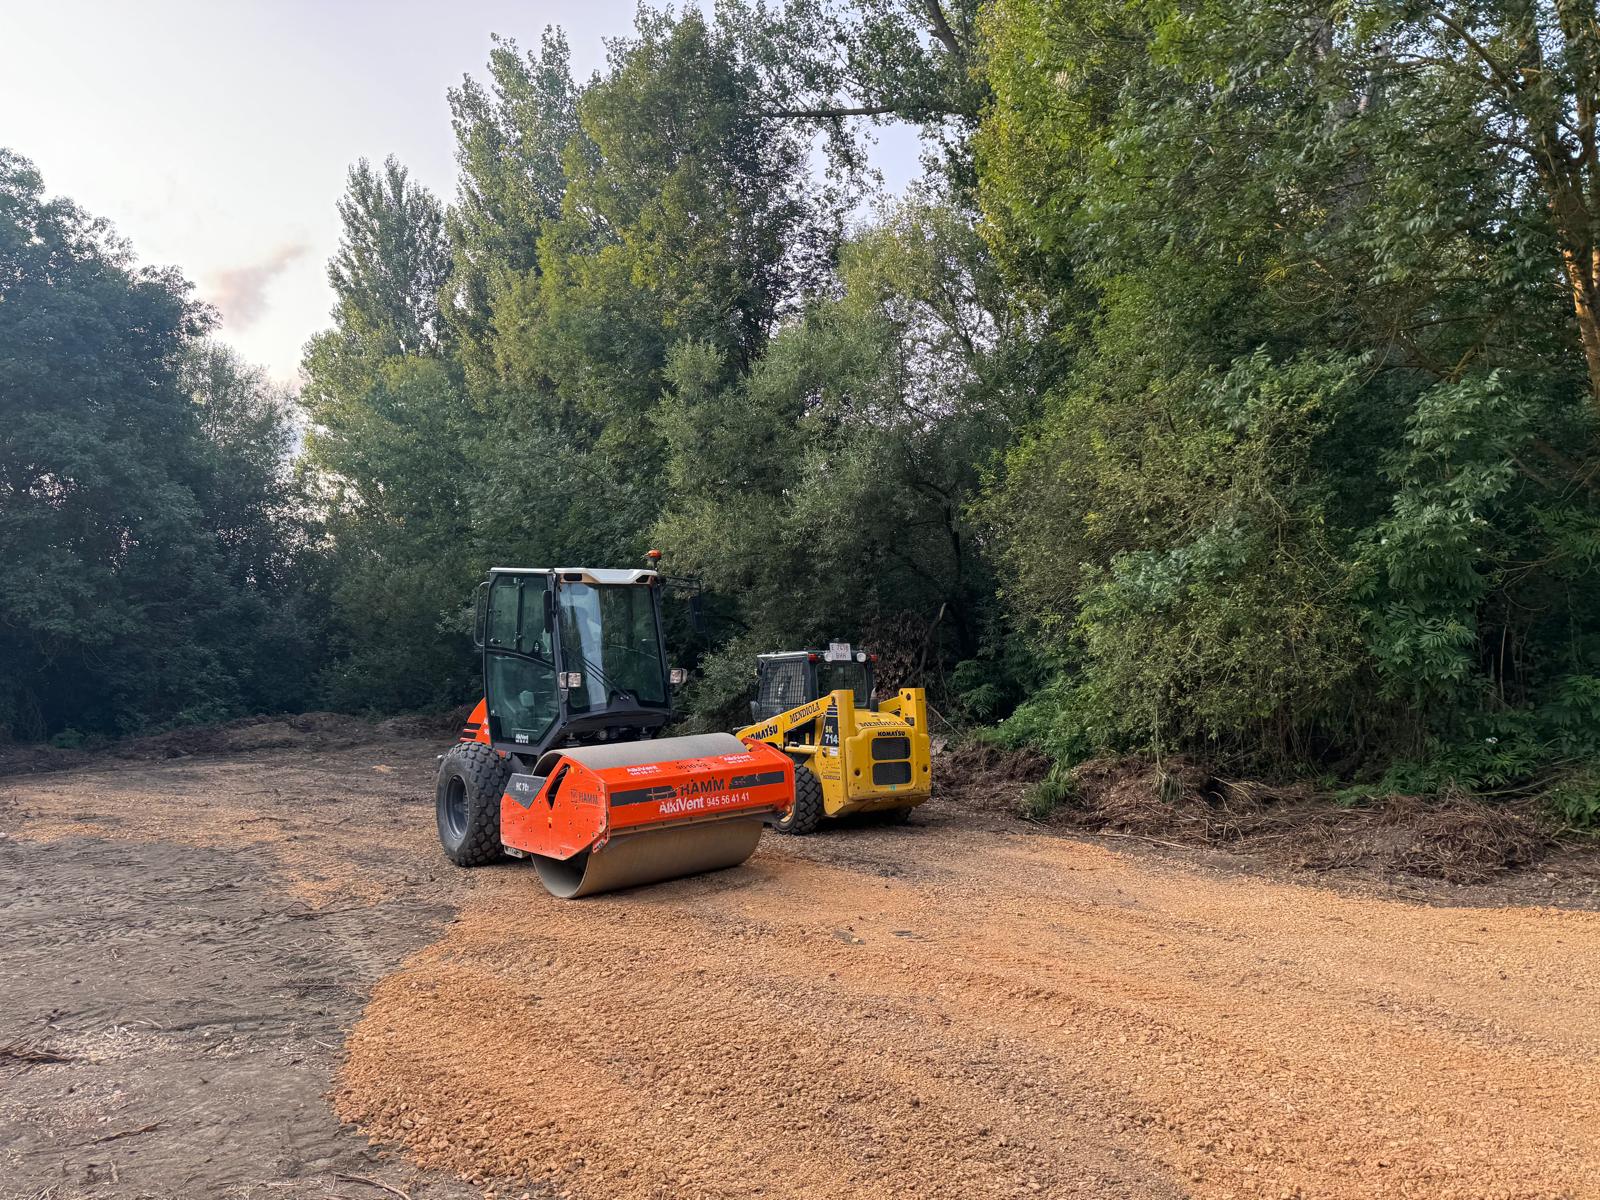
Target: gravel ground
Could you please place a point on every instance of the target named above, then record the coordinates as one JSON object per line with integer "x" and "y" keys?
{"x": 964, "y": 1007}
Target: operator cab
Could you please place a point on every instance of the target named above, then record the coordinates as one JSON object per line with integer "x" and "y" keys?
{"x": 572, "y": 656}
{"x": 789, "y": 679}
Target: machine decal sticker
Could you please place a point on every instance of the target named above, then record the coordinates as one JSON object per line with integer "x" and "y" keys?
{"x": 687, "y": 804}
{"x": 663, "y": 791}
{"x": 748, "y": 781}
{"x": 524, "y": 788}
{"x": 704, "y": 793}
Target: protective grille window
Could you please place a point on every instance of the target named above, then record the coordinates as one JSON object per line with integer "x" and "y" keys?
{"x": 891, "y": 747}
{"x": 783, "y": 684}
{"x": 891, "y": 772}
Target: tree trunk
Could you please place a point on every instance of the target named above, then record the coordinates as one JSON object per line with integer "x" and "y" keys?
{"x": 1583, "y": 276}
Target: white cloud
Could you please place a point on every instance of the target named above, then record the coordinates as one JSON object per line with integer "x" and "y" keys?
{"x": 241, "y": 292}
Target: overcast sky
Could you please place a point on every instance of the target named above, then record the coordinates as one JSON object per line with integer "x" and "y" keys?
{"x": 216, "y": 135}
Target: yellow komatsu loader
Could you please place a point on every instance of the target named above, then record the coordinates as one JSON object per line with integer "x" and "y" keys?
{"x": 852, "y": 752}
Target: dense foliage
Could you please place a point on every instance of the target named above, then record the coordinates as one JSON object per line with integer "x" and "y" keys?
{"x": 149, "y": 570}
{"x": 1322, "y": 483}
{"x": 1229, "y": 383}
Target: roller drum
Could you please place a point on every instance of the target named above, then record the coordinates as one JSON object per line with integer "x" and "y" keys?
{"x": 651, "y": 856}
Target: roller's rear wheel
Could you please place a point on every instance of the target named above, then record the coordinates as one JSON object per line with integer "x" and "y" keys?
{"x": 806, "y": 813}
{"x": 472, "y": 778}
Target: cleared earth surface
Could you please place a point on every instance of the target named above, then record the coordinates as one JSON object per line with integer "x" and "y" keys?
{"x": 230, "y": 956}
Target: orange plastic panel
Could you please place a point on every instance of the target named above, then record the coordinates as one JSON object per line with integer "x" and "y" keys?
{"x": 577, "y": 809}
{"x": 477, "y": 726}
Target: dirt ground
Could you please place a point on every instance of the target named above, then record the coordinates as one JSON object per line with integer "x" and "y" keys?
{"x": 208, "y": 964}
{"x": 184, "y": 946}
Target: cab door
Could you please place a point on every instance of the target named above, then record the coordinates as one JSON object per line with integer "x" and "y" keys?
{"x": 780, "y": 686}
{"x": 519, "y": 670}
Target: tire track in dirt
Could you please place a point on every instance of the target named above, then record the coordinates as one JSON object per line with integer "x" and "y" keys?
{"x": 326, "y": 822}
{"x": 190, "y": 942}
{"x": 1003, "y": 1014}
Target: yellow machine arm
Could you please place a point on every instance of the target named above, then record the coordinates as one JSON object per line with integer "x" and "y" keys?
{"x": 864, "y": 759}
{"x": 911, "y": 706}
{"x": 777, "y": 729}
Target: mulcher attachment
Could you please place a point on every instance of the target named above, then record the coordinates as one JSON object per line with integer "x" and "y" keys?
{"x": 598, "y": 818}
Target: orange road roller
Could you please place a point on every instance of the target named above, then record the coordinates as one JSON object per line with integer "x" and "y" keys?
{"x": 560, "y": 762}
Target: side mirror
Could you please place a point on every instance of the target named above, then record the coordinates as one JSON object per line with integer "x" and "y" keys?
{"x": 678, "y": 676}
{"x": 549, "y": 610}
{"x": 481, "y": 618}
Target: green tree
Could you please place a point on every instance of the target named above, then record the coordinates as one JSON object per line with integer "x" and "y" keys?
{"x": 686, "y": 218}
{"x": 265, "y": 537}
{"x": 394, "y": 468}
{"x": 1318, "y": 253}
{"x": 830, "y": 66}
{"x": 511, "y": 139}
{"x": 391, "y": 449}
{"x": 689, "y": 220}
{"x": 145, "y": 545}
{"x": 828, "y": 488}
{"x": 392, "y": 264}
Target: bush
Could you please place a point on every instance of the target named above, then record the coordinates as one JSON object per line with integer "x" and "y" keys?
{"x": 1059, "y": 721}
{"x": 1050, "y": 793}
{"x": 719, "y": 692}
{"x": 1576, "y": 800}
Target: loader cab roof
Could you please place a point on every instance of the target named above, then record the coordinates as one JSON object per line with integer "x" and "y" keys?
{"x": 816, "y": 656}
{"x": 594, "y": 575}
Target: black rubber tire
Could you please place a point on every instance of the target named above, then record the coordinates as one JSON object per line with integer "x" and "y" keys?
{"x": 898, "y": 816}
{"x": 466, "y": 802}
{"x": 806, "y": 813}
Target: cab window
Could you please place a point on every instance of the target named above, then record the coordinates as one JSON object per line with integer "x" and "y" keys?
{"x": 845, "y": 677}
{"x": 608, "y": 638}
{"x": 782, "y": 685}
